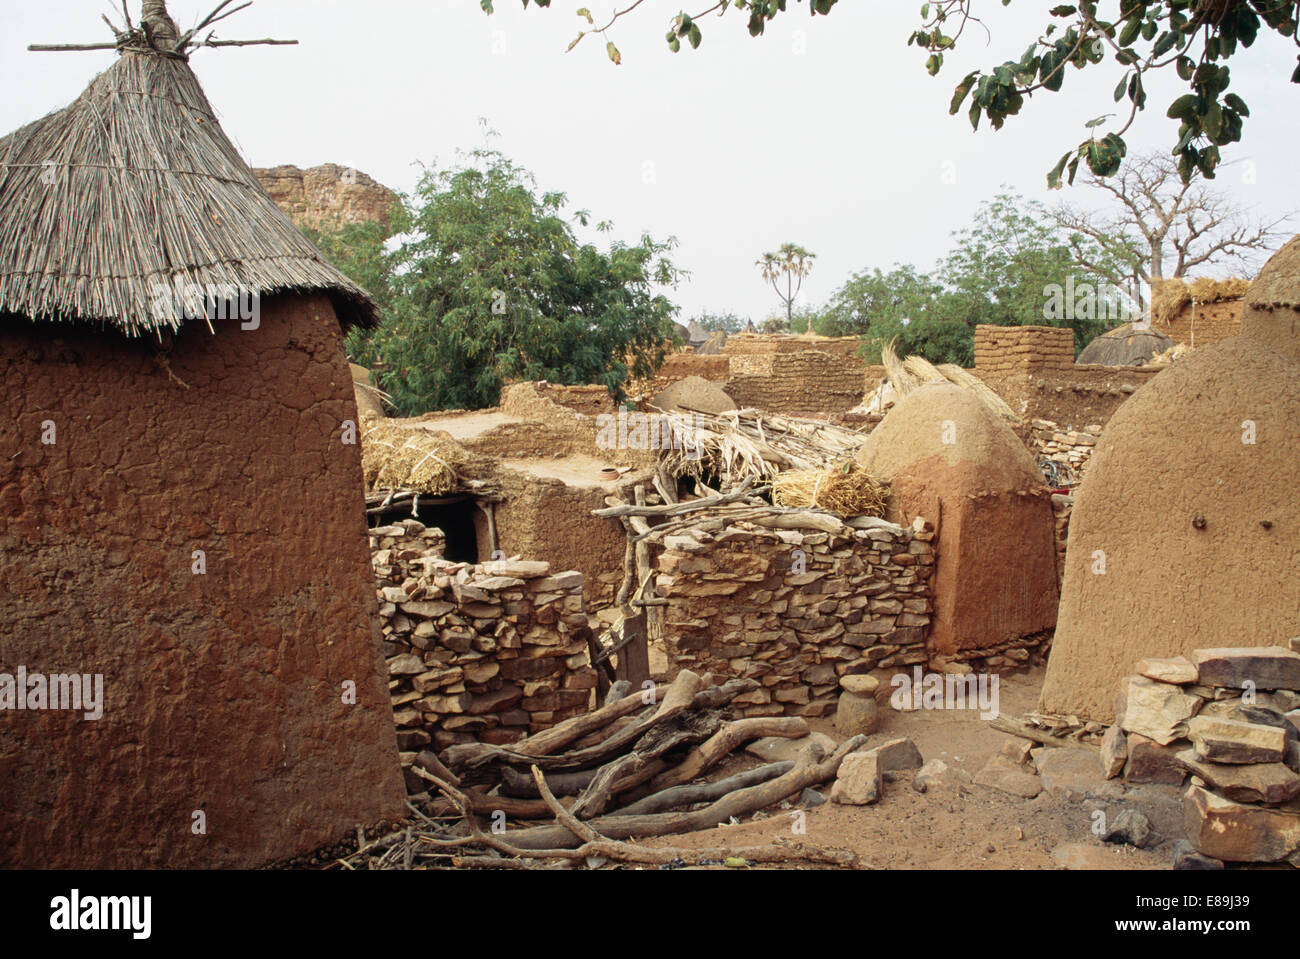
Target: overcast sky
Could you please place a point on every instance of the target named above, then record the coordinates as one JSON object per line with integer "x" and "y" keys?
{"x": 826, "y": 132}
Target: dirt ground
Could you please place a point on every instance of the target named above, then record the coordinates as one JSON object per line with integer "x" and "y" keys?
{"x": 982, "y": 828}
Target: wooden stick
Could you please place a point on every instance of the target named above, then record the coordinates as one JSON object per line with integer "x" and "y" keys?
{"x": 676, "y": 509}
{"x": 1005, "y": 724}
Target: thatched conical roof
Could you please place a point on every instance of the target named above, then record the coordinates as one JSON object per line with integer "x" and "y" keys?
{"x": 1124, "y": 346}
{"x": 113, "y": 205}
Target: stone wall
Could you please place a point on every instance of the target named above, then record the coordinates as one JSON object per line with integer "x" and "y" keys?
{"x": 1008, "y": 349}
{"x": 476, "y": 653}
{"x": 796, "y": 609}
{"x": 1070, "y": 447}
{"x": 808, "y": 381}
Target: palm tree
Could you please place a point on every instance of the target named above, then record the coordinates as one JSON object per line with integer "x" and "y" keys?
{"x": 792, "y": 262}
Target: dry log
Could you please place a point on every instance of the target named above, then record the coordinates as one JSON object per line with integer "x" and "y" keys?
{"x": 468, "y": 755}
{"x": 676, "y": 509}
{"x": 678, "y": 796}
{"x": 1006, "y": 724}
{"x": 724, "y": 741}
{"x": 809, "y": 770}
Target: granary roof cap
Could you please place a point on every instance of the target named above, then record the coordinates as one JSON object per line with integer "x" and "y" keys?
{"x": 1278, "y": 283}
{"x": 114, "y": 205}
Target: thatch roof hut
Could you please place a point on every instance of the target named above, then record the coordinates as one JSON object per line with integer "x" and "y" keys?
{"x": 1125, "y": 346}
{"x": 184, "y": 513}
{"x": 133, "y": 192}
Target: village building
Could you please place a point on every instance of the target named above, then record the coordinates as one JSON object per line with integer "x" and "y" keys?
{"x": 181, "y": 509}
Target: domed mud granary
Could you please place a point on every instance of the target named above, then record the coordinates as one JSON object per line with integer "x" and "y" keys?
{"x": 1186, "y": 528}
{"x": 183, "y": 547}
{"x": 1272, "y": 311}
{"x": 1125, "y": 346}
{"x": 951, "y": 460}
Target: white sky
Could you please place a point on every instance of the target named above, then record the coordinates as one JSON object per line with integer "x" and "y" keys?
{"x": 825, "y": 132}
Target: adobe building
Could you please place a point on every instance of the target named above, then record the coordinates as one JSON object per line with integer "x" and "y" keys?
{"x": 1186, "y": 527}
{"x": 952, "y": 461}
{"x": 181, "y": 515}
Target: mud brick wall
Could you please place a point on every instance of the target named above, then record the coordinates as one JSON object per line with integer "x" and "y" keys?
{"x": 476, "y": 653}
{"x": 808, "y": 381}
{"x": 1079, "y": 397}
{"x": 678, "y": 366}
{"x": 749, "y": 343}
{"x": 795, "y": 609}
{"x": 223, "y": 689}
{"x": 588, "y": 400}
{"x": 1200, "y": 324}
{"x": 1062, "y": 506}
{"x": 1009, "y": 349}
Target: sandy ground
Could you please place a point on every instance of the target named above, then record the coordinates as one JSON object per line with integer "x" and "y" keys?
{"x": 982, "y": 828}
{"x": 574, "y": 469}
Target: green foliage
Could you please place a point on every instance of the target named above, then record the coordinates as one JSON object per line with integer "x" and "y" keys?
{"x": 1195, "y": 38}
{"x": 490, "y": 285}
{"x": 1000, "y": 271}
{"x": 726, "y": 322}
{"x": 358, "y": 250}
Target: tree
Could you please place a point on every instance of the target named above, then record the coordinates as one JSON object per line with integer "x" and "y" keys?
{"x": 358, "y": 250}
{"x": 726, "y": 322}
{"x": 1008, "y": 268}
{"x": 1195, "y": 38}
{"x": 491, "y": 285}
{"x": 790, "y": 264}
{"x": 1157, "y": 226}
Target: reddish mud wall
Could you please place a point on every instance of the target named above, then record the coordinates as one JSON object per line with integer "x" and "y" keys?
{"x": 224, "y": 691}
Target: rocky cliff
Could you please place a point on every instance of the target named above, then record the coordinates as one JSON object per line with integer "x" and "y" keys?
{"x": 327, "y": 195}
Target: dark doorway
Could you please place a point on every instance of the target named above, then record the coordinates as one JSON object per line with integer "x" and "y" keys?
{"x": 455, "y": 519}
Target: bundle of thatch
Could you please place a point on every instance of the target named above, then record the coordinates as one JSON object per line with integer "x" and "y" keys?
{"x": 1168, "y": 297}
{"x": 397, "y": 456}
{"x": 906, "y": 375}
{"x": 844, "y": 490}
{"x": 737, "y": 444}
{"x": 1206, "y": 290}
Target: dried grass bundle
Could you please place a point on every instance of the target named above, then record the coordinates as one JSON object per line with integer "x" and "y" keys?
{"x": 1206, "y": 290}
{"x": 1167, "y": 300}
{"x": 973, "y": 384}
{"x": 896, "y": 370}
{"x": 408, "y": 457}
{"x": 846, "y": 490}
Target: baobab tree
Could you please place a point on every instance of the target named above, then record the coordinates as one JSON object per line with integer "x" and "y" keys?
{"x": 790, "y": 265}
{"x": 1157, "y": 227}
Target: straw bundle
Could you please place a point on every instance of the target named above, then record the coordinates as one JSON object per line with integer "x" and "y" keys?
{"x": 1168, "y": 298}
{"x": 896, "y": 370}
{"x": 910, "y": 373}
{"x": 408, "y": 457}
{"x": 973, "y": 384}
{"x": 114, "y": 205}
{"x": 846, "y": 490}
{"x": 1206, "y": 290}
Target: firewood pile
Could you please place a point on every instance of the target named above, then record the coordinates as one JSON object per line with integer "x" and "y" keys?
{"x": 631, "y": 770}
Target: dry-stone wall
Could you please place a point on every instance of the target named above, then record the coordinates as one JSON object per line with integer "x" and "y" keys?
{"x": 796, "y": 609}
{"x": 476, "y": 653}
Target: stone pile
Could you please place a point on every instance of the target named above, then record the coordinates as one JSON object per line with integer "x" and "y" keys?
{"x": 797, "y": 609}
{"x": 1231, "y": 719}
{"x": 476, "y": 653}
